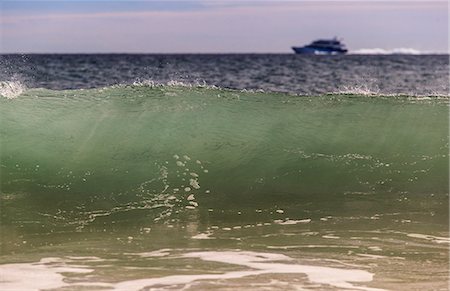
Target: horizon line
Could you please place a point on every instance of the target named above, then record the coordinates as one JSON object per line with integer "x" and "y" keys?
{"x": 219, "y": 53}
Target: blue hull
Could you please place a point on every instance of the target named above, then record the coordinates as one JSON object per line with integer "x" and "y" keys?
{"x": 317, "y": 51}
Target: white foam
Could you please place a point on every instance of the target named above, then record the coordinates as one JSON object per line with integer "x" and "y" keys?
{"x": 380, "y": 51}
{"x": 364, "y": 90}
{"x": 260, "y": 264}
{"x": 193, "y": 203}
{"x": 45, "y": 274}
{"x": 436, "y": 239}
{"x": 157, "y": 253}
{"x": 330, "y": 236}
{"x": 206, "y": 235}
{"x": 194, "y": 183}
{"x": 11, "y": 89}
{"x": 312, "y": 246}
{"x": 263, "y": 263}
{"x": 85, "y": 259}
{"x": 48, "y": 273}
{"x": 372, "y": 256}
{"x": 291, "y": 221}
{"x": 378, "y": 257}
{"x": 173, "y": 83}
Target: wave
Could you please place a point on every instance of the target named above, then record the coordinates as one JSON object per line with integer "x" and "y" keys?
{"x": 11, "y": 89}
{"x": 396, "y": 51}
{"x": 374, "y": 91}
{"x": 83, "y": 156}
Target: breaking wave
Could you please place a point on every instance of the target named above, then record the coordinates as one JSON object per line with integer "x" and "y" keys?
{"x": 81, "y": 157}
{"x": 395, "y": 51}
{"x": 11, "y": 89}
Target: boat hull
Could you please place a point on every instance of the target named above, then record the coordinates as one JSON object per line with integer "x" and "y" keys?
{"x": 317, "y": 51}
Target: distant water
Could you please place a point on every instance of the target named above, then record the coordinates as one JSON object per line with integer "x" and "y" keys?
{"x": 243, "y": 172}
{"x": 290, "y": 73}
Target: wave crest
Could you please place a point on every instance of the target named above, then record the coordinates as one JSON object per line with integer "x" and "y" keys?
{"x": 173, "y": 83}
{"x": 11, "y": 89}
{"x": 363, "y": 90}
{"x": 395, "y": 51}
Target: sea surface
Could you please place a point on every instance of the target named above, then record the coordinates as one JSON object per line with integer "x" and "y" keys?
{"x": 228, "y": 172}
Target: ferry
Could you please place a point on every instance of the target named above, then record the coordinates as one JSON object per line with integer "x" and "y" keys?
{"x": 322, "y": 47}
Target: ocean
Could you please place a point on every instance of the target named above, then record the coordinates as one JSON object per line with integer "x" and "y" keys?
{"x": 230, "y": 172}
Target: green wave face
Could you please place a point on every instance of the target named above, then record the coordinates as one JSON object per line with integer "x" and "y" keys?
{"x": 84, "y": 157}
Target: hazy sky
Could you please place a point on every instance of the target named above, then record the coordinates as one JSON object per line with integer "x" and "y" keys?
{"x": 213, "y": 26}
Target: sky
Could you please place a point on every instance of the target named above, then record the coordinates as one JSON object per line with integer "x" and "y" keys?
{"x": 216, "y": 26}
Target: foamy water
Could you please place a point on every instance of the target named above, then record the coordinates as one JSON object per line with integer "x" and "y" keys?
{"x": 11, "y": 89}
{"x": 381, "y": 51}
{"x": 55, "y": 273}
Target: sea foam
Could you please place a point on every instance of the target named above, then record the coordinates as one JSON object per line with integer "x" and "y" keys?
{"x": 52, "y": 272}
{"x": 397, "y": 51}
{"x": 11, "y": 89}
